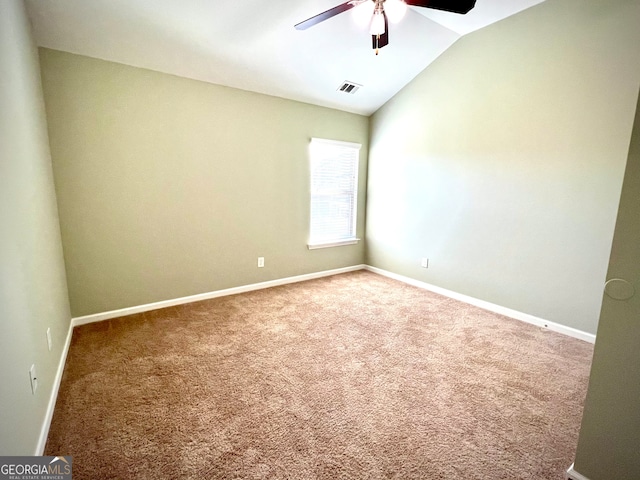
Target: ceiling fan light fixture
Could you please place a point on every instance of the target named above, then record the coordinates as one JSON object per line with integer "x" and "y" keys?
{"x": 363, "y": 12}
{"x": 377, "y": 24}
{"x": 395, "y": 10}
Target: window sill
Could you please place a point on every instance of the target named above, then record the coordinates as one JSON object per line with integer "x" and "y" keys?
{"x": 350, "y": 241}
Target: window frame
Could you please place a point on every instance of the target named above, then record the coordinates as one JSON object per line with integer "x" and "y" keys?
{"x": 354, "y": 150}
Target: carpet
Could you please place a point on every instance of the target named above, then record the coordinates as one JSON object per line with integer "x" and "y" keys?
{"x": 352, "y": 376}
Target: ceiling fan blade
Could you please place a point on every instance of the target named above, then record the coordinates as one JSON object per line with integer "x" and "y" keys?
{"x": 321, "y": 17}
{"x": 455, "y": 6}
{"x": 379, "y": 41}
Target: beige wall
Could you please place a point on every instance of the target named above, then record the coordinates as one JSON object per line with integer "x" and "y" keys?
{"x": 33, "y": 293}
{"x": 609, "y": 444}
{"x": 170, "y": 187}
{"x": 503, "y": 161}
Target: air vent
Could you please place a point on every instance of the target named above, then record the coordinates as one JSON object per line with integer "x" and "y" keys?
{"x": 349, "y": 87}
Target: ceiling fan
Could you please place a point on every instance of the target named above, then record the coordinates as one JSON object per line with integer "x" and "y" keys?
{"x": 378, "y": 13}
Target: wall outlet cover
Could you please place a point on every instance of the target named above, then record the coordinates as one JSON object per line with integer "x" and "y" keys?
{"x": 33, "y": 379}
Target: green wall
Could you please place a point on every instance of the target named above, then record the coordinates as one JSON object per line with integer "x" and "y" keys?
{"x": 169, "y": 187}
{"x": 33, "y": 293}
{"x": 609, "y": 444}
{"x": 503, "y": 161}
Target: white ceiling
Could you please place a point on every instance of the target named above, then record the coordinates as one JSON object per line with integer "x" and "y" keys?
{"x": 252, "y": 45}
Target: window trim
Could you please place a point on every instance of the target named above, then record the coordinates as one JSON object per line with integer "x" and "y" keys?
{"x": 315, "y": 246}
{"x": 352, "y": 240}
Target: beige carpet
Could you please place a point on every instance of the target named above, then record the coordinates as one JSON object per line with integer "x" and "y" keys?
{"x": 354, "y": 376}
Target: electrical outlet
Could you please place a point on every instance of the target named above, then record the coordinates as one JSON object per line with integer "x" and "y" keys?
{"x": 33, "y": 379}
{"x": 260, "y": 262}
{"x": 49, "y": 338}
{"x": 424, "y": 263}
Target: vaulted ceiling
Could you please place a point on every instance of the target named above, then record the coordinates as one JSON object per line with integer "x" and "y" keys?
{"x": 252, "y": 44}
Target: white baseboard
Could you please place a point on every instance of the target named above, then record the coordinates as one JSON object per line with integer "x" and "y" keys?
{"x": 525, "y": 317}
{"x": 206, "y": 296}
{"x": 507, "y": 312}
{"x": 44, "y": 431}
{"x": 573, "y": 475}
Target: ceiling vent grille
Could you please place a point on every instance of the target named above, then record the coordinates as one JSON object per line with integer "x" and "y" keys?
{"x": 349, "y": 87}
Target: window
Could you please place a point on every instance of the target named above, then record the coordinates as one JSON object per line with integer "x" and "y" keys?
{"x": 334, "y": 192}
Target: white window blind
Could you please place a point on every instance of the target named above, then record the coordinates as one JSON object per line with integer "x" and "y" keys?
{"x": 334, "y": 192}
